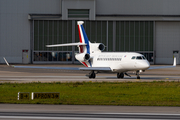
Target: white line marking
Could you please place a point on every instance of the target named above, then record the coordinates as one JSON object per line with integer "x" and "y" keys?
{"x": 57, "y": 118}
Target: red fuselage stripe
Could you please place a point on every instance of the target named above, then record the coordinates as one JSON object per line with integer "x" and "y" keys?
{"x": 80, "y": 39}
{"x": 84, "y": 64}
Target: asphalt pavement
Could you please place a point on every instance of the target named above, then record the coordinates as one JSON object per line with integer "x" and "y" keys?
{"x": 84, "y": 112}
{"x": 81, "y": 112}
{"x": 9, "y": 74}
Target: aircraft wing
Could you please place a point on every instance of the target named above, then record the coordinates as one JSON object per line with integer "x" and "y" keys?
{"x": 43, "y": 67}
{"x": 107, "y": 69}
{"x": 162, "y": 67}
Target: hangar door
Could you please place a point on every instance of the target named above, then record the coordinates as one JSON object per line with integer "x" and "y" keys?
{"x": 47, "y": 32}
{"x": 167, "y": 41}
{"x": 120, "y": 36}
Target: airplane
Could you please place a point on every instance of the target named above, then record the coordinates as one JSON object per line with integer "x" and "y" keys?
{"x": 96, "y": 61}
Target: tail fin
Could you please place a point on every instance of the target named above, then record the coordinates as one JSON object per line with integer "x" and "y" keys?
{"x": 84, "y": 44}
{"x": 83, "y": 39}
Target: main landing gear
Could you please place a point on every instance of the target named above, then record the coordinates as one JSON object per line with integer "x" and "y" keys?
{"x": 120, "y": 75}
{"x": 92, "y": 74}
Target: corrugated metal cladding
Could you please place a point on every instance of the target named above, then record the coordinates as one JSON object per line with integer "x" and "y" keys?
{"x": 168, "y": 41}
{"x": 129, "y": 36}
{"x": 150, "y": 27}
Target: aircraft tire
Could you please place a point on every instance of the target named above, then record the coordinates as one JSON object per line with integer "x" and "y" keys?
{"x": 120, "y": 75}
{"x": 92, "y": 75}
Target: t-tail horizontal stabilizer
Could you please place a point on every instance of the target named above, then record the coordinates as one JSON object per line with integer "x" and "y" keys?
{"x": 68, "y": 44}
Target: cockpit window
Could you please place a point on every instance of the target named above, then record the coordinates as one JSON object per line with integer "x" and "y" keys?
{"x": 133, "y": 57}
{"x": 138, "y": 58}
{"x": 143, "y": 57}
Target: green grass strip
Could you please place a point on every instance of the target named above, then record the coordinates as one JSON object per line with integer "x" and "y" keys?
{"x": 97, "y": 93}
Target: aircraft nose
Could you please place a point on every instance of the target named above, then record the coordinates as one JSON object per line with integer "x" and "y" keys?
{"x": 144, "y": 65}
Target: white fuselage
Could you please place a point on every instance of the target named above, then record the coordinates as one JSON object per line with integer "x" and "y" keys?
{"x": 91, "y": 56}
{"x": 120, "y": 61}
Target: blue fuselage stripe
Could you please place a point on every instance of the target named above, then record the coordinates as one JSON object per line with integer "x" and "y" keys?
{"x": 86, "y": 40}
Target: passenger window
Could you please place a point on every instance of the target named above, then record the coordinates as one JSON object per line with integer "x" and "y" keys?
{"x": 138, "y": 58}
{"x": 133, "y": 57}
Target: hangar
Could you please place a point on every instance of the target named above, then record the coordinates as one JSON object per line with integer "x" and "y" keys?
{"x": 150, "y": 27}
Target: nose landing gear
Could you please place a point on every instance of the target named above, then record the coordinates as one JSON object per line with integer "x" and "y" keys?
{"x": 137, "y": 73}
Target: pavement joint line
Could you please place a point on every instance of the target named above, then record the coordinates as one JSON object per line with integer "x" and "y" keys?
{"x": 55, "y": 118}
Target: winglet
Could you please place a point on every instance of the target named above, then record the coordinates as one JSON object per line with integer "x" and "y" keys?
{"x": 6, "y": 61}
{"x": 174, "y": 64}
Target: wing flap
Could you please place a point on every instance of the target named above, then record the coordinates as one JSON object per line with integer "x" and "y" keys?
{"x": 95, "y": 68}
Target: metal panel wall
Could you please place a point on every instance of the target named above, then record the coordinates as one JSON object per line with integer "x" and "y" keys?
{"x": 167, "y": 40}
{"x": 115, "y": 35}
{"x": 138, "y": 7}
{"x": 14, "y": 29}
{"x": 79, "y": 4}
{"x": 15, "y": 26}
{"x": 44, "y": 6}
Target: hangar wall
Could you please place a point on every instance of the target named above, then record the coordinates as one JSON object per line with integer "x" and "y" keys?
{"x": 167, "y": 41}
{"x": 18, "y": 18}
{"x": 121, "y": 36}
{"x": 138, "y": 7}
{"x": 15, "y": 26}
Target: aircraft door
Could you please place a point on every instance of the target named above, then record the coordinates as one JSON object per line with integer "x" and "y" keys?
{"x": 176, "y": 54}
{"x": 133, "y": 61}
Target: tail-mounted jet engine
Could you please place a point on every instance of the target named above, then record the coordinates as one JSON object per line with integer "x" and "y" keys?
{"x": 101, "y": 47}
{"x": 97, "y": 46}
{"x": 83, "y": 57}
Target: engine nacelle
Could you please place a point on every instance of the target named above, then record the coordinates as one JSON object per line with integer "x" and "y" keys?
{"x": 98, "y": 46}
{"x": 101, "y": 47}
{"x": 82, "y": 57}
